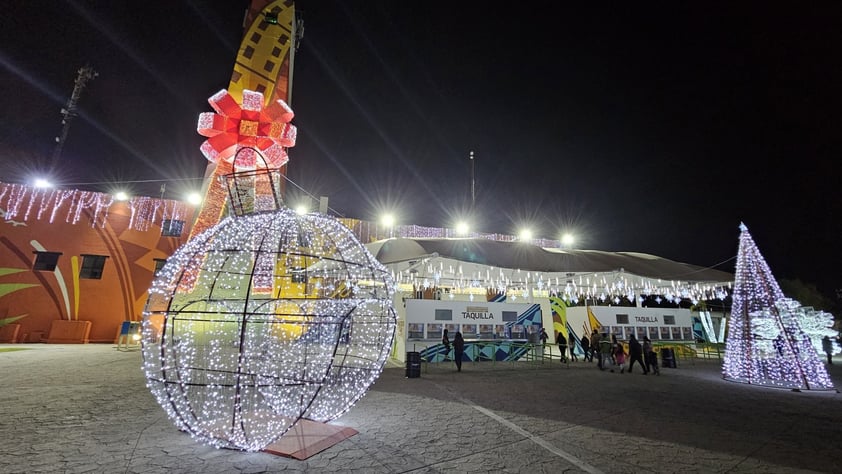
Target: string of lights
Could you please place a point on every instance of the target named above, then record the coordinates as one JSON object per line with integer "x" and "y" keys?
{"x": 19, "y": 202}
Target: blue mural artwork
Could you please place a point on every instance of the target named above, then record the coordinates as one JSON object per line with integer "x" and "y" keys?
{"x": 492, "y": 349}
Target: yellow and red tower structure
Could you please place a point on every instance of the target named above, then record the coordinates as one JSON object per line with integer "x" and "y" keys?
{"x": 262, "y": 73}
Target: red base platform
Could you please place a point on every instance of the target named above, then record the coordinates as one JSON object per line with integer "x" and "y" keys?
{"x": 307, "y": 438}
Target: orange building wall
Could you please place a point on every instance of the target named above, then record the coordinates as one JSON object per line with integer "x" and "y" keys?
{"x": 43, "y": 296}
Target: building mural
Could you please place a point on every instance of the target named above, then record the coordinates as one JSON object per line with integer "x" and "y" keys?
{"x": 73, "y": 255}
{"x": 81, "y": 263}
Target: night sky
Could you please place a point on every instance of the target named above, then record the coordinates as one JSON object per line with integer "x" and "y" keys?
{"x": 652, "y": 127}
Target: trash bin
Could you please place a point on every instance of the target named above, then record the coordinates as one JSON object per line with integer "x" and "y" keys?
{"x": 413, "y": 365}
{"x": 668, "y": 357}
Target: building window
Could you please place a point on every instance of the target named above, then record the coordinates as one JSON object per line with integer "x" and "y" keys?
{"x": 416, "y": 330}
{"x": 46, "y": 261}
{"x": 669, "y": 319}
{"x": 622, "y": 319}
{"x": 159, "y": 264}
{"x": 172, "y": 228}
{"x": 92, "y": 266}
{"x": 434, "y": 331}
{"x": 299, "y": 275}
{"x": 444, "y": 315}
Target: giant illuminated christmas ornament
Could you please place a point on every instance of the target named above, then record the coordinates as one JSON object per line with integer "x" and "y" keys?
{"x": 264, "y": 319}
{"x": 766, "y": 342}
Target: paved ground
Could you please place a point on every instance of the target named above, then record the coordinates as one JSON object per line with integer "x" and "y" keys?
{"x": 77, "y": 409}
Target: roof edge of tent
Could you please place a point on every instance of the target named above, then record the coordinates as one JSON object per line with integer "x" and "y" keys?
{"x": 531, "y": 257}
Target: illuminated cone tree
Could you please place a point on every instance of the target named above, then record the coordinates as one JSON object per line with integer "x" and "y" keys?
{"x": 766, "y": 343}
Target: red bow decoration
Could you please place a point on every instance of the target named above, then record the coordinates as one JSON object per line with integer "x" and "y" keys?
{"x": 244, "y": 128}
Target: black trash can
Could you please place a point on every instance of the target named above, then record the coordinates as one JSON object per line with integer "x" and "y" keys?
{"x": 413, "y": 365}
{"x": 668, "y": 357}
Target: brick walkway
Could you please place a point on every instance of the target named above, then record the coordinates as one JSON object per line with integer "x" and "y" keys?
{"x": 85, "y": 408}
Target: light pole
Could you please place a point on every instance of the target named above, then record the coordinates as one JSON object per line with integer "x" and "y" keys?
{"x": 473, "y": 183}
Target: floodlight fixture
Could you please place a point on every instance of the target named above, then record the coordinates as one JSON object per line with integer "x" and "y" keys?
{"x": 42, "y": 183}
{"x": 194, "y": 198}
{"x": 462, "y": 228}
{"x": 567, "y": 240}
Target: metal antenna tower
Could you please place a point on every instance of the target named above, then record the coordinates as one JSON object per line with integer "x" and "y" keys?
{"x": 86, "y": 73}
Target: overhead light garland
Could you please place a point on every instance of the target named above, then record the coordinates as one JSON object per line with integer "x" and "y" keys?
{"x": 604, "y": 287}
{"x": 25, "y": 203}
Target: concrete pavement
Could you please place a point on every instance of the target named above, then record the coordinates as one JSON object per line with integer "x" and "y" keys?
{"x": 85, "y": 408}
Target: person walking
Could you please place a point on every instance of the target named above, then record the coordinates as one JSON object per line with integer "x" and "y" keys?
{"x": 595, "y": 348}
{"x": 650, "y": 356}
{"x": 571, "y": 344}
{"x": 562, "y": 347}
{"x": 619, "y": 353}
{"x": 586, "y": 348}
{"x": 604, "y": 351}
{"x": 458, "y": 350}
{"x": 636, "y": 354}
{"x": 446, "y": 343}
{"x": 827, "y": 346}
{"x": 543, "y": 338}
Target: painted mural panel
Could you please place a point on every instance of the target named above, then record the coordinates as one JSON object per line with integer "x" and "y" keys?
{"x": 95, "y": 269}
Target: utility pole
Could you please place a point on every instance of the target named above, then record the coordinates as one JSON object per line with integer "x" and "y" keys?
{"x": 473, "y": 182}
{"x": 85, "y": 74}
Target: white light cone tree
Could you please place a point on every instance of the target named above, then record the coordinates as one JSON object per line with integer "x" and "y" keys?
{"x": 766, "y": 343}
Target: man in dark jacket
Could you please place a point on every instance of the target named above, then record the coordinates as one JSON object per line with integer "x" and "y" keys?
{"x": 636, "y": 354}
{"x": 586, "y": 348}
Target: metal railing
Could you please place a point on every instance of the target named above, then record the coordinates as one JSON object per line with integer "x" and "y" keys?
{"x": 536, "y": 354}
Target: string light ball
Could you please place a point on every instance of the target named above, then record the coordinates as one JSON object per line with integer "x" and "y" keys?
{"x": 262, "y": 320}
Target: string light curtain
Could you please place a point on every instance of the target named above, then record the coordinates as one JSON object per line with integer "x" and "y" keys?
{"x": 23, "y": 203}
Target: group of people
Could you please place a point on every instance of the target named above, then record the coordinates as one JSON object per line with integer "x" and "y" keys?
{"x": 458, "y": 348}
{"x": 611, "y": 353}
